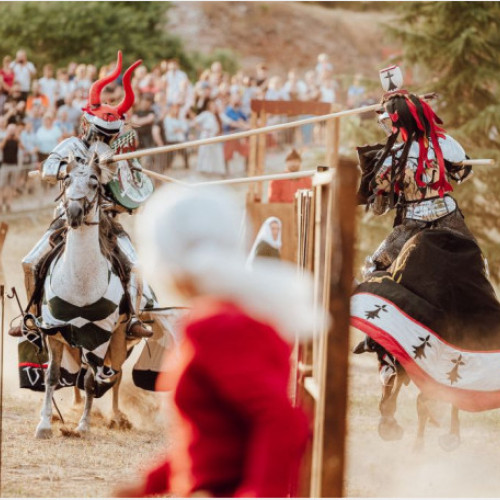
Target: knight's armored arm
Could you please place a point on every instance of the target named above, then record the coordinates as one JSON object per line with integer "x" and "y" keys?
{"x": 54, "y": 167}
{"x": 454, "y": 155}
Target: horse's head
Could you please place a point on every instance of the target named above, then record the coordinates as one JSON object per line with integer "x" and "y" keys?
{"x": 81, "y": 191}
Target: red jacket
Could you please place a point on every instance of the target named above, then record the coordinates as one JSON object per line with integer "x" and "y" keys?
{"x": 283, "y": 190}
{"x": 239, "y": 434}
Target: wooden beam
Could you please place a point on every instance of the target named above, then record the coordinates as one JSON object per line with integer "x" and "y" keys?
{"x": 290, "y": 108}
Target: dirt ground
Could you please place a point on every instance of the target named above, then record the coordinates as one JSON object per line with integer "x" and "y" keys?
{"x": 92, "y": 467}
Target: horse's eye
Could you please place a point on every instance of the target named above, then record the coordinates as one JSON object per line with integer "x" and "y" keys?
{"x": 67, "y": 181}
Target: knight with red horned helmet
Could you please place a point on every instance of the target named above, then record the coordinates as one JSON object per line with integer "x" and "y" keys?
{"x": 102, "y": 134}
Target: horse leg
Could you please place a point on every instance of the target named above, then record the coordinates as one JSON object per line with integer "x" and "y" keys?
{"x": 44, "y": 428}
{"x": 88, "y": 383}
{"x": 423, "y": 417}
{"x": 77, "y": 397}
{"x": 451, "y": 441}
{"x": 119, "y": 419}
{"x": 388, "y": 428}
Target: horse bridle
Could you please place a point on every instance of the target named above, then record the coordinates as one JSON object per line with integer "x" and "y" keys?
{"x": 88, "y": 205}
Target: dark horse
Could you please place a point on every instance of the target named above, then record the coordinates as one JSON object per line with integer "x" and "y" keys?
{"x": 433, "y": 318}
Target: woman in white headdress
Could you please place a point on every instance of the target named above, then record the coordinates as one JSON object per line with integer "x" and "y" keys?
{"x": 239, "y": 435}
{"x": 268, "y": 241}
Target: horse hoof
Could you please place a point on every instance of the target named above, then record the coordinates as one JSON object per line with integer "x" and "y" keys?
{"x": 43, "y": 433}
{"x": 121, "y": 422}
{"x": 449, "y": 442}
{"x": 390, "y": 430}
{"x": 83, "y": 430}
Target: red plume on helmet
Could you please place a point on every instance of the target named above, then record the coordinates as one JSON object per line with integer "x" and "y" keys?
{"x": 104, "y": 111}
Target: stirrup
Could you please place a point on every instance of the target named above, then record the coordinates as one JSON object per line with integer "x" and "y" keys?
{"x": 136, "y": 329}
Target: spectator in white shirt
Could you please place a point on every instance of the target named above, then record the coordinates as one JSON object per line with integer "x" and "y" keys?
{"x": 323, "y": 64}
{"x": 47, "y": 137}
{"x": 294, "y": 89}
{"x": 173, "y": 77}
{"x": 48, "y": 84}
{"x": 175, "y": 130}
{"x": 24, "y": 71}
{"x": 275, "y": 90}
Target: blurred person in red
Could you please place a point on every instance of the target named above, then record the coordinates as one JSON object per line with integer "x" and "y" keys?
{"x": 283, "y": 190}
{"x": 7, "y": 73}
{"x": 238, "y": 434}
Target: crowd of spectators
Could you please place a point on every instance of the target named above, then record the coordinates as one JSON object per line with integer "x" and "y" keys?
{"x": 38, "y": 109}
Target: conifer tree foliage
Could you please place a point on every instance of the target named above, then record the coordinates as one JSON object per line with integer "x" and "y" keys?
{"x": 456, "y": 46}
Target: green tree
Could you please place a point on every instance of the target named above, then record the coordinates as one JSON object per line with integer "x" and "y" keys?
{"x": 455, "y": 46}
{"x": 89, "y": 32}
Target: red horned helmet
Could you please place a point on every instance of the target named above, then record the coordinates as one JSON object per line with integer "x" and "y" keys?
{"x": 109, "y": 119}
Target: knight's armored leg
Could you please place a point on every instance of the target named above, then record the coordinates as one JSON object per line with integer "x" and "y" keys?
{"x": 382, "y": 259}
{"x": 127, "y": 257}
{"x": 30, "y": 263}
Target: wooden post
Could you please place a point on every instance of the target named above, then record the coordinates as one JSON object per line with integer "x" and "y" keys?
{"x": 261, "y": 155}
{"x": 3, "y": 234}
{"x": 337, "y": 346}
{"x": 252, "y": 156}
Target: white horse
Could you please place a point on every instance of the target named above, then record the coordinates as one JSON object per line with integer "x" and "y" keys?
{"x": 82, "y": 294}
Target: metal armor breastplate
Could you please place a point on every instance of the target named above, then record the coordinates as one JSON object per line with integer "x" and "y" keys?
{"x": 430, "y": 210}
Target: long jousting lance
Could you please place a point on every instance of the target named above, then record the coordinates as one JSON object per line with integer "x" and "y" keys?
{"x": 247, "y": 133}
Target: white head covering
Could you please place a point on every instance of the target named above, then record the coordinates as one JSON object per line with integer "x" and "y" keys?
{"x": 265, "y": 234}
{"x": 194, "y": 234}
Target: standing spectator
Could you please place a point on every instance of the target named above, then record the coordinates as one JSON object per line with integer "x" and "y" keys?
{"x": 90, "y": 72}
{"x": 327, "y": 89}
{"x": 15, "y": 93}
{"x": 201, "y": 97}
{"x": 283, "y": 190}
{"x": 323, "y": 65}
{"x": 355, "y": 93}
{"x": 173, "y": 78}
{"x": 175, "y": 130}
{"x": 64, "y": 86}
{"x": 28, "y": 141}
{"x": 9, "y": 171}
{"x": 294, "y": 89}
{"x": 47, "y": 137}
{"x": 24, "y": 71}
{"x": 7, "y": 73}
{"x": 261, "y": 75}
{"x": 80, "y": 81}
{"x": 80, "y": 99}
{"x": 74, "y": 114}
{"x": 64, "y": 123}
{"x": 48, "y": 84}
{"x": 250, "y": 89}
{"x": 210, "y": 156}
{"x": 275, "y": 90}
{"x": 72, "y": 70}
{"x": 234, "y": 120}
{"x": 143, "y": 119}
{"x": 37, "y": 98}
{"x": 17, "y": 113}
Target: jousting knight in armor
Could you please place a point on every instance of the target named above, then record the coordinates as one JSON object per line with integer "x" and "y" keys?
{"x": 412, "y": 176}
{"x": 102, "y": 134}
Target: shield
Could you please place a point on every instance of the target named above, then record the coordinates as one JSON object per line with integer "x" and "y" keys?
{"x": 130, "y": 188}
